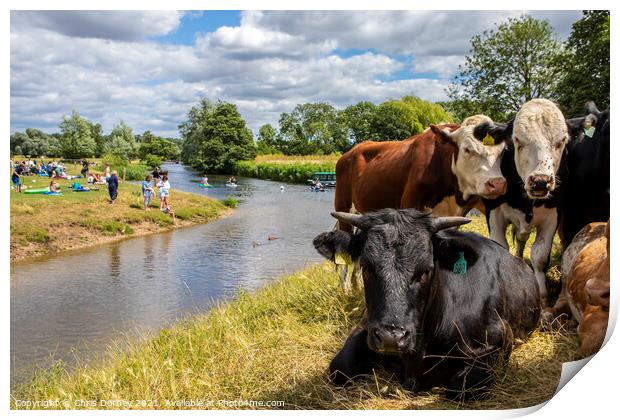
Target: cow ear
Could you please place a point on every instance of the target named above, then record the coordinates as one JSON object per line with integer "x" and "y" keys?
{"x": 443, "y": 134}
{"x": 499, "y": 132}
{"x": 591, "y": 108}
{"x": 334, "y": 243}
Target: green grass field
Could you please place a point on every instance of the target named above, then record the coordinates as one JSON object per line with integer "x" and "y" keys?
{"x": 42, "y": 224}
{"x": 275, "y": 345}
{"x": 297, "y": 169}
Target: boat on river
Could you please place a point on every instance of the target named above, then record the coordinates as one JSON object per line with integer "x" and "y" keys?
{"x": 328, "y": 179}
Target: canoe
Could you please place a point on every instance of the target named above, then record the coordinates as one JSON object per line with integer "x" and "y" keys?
{"x": 205, "y": 185}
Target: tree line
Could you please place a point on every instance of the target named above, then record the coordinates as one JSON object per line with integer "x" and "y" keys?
{"x": 80, "y": 138}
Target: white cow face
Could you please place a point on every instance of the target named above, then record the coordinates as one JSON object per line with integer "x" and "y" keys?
{"x": 539, "y": 135}
{"x": 476, "y": 166}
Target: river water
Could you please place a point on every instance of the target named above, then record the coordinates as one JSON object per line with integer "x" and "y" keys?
{"x": 73, "y": 304}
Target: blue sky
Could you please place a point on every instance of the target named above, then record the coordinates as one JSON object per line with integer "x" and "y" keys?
{"x": 147, "y": 68}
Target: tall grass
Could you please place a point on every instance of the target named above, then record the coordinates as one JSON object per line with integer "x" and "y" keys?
{"x": 287, "y": 172}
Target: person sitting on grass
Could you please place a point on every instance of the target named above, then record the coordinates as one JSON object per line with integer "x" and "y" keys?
{"x": 16, "y": 177}
{"x": 54, "y": 187}
{"x": 147, "y": 191}
{"x": 113, "y": 186}
{"x": 168, "y": 210}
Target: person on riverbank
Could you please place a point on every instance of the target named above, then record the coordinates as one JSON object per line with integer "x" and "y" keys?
{"x": 113, "y": 186}
{"x": 16, "y": 177}
{"x": 107, "y": 171}
{"x": 147, "y": 190}
{"x": 84, "y": 170}
{"x": 164, "y": 192}
{"x": 156, "y": 176}
{"x": 168, "y": 210}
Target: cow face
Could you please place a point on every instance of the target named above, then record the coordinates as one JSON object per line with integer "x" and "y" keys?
{"x": 539, "y": 135}
{"x": 475, "y": 165}
{"x": 395, "y": 252}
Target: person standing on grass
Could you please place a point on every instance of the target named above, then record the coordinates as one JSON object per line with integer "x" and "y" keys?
{"x": 84, "y": 170}
{"x": 16, "y": 177}
{"x": 164, "y": 192}
{"x": 147, "y": 190}
{"x": 113, "y": 186}
{"x": 156, "y": 176}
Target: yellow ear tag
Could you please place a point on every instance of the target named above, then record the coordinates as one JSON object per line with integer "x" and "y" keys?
{"x": 342, "y": 258}
{"x": 488, "y": 140}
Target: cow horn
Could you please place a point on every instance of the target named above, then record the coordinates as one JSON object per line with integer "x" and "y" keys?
{"x": 591, "y": 108}
{"x": 350, "y": 218}
{"x": 440, "y": 223}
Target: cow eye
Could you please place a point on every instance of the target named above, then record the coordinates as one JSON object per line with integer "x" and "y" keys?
{"x": 518, "y": 144}
{"x": 424, "y": 278}
{"x": 559, "y": 145}
{"x": 468, "y": 150}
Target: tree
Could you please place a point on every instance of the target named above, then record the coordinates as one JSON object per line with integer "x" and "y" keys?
{"x": 586, "y": 64}
{"x": 313, "y": 128}
{"x": 267, "y": 141}
{"x": 359, "y": 119}
{"x": 516, "y": 62}
{"x": 418, "y": 114}
{"x": 100, "y": 140}
{"x": 122, "y": 142}
{"x": 151, "y": 144}
{"x": 76, "y": 137}
{"x": 215, "y": 137}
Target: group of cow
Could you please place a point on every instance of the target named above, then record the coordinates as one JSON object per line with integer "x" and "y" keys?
{"x": 444, "y": 308}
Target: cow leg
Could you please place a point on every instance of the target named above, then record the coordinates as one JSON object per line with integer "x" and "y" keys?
{"x": 497, "y": 227}
{"x": 355, "y": 358}
{"x": 540, "y": 252}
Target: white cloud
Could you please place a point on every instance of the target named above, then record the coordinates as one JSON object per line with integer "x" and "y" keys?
{"x": 107, "y": 66}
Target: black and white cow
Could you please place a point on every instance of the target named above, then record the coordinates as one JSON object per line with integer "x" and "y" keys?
{"x": 585, "y": 196}
{"x": 534, "y": 165}
{"x": 442, "y": 307}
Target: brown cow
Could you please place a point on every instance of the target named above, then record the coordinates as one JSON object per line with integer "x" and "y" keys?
{"x": 585, "y": 286}
{"x": 444, "y": 161}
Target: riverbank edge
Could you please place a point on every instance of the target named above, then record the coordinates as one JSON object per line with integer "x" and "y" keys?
{"x": 297, "y": 173}
{"x": 274, "y": 345}
{"x": 96, "y": 238}
{"x": 142, "y": 229}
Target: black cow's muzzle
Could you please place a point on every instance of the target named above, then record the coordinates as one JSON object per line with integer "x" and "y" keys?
{"x": 389, "y": 339}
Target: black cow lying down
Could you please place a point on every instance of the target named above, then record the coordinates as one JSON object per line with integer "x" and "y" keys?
{"x": 431, "y": 318}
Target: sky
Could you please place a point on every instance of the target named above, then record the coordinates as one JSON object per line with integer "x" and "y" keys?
{"x": 148, "y": 68}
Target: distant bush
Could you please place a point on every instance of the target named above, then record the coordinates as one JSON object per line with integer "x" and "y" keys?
{"x": 152, "y": 161}
{"x": 288, "y": 172}
{"x": 134, "y": 172}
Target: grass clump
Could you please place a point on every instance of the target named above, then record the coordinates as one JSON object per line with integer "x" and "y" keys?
{"x": 230, "y": 202}
{"x": 286, "y": 168}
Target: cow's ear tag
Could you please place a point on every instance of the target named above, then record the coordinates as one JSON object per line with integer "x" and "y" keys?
{"x": 488, "y": 140}
{"x": 460, "y": 266}
{"x": 589, "y": 131}
{"x": 342, "y": 258}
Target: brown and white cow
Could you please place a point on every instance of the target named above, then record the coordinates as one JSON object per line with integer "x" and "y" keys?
{"x": 585, "y": 286}
{"x": 533, "y": 164}
{"x": 445, "y": 160}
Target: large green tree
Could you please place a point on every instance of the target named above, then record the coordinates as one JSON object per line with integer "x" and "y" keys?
{"x": 76, "y": 139}
{"x": 267, "y": 141}
{"x": 150, "y": 144}
{"x": 517, "y": 61}
{"x": 215, "y": 137}
{"x": 122, "y": 142}
{"x": 586, "y": 64}
{"x": 359, "y": 120}
{"x": 313, "y": 128}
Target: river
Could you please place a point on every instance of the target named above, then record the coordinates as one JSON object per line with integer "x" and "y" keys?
{"x": 72, "y": 305}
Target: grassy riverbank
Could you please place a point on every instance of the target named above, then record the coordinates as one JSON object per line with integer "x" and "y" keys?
{"x": 286, "y": 168}
{"x": 275, "y": 345}
{"x": 42, "y": 224}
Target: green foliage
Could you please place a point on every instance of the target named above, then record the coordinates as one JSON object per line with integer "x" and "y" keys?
{"x": 288, "y": 172}
{"x": 34, "y": 143}
{"x": 516, "y": 62}
{"x": 152, "y": 161}
{"x": 586, "y": 64}
{"x": 361, "y": 120}
{"x": 114, "y": 161}
{"x": 313, "y": 128}
{"x": 230, "y": 201}
{"x": 151, "y": 144}
{"x": 267, "y": 142}
{"x": 76, "y": 137}
{"x": 134, "y": 172}
{"x": 215, "y": 137}
{"x": 122, "y": 142}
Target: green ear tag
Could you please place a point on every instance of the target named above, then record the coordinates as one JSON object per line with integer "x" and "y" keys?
{"x": 460, "y": 266}
{"x": 488, "y": 140}
{"x": 589, "y": 131}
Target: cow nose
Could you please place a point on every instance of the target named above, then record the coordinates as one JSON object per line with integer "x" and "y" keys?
{"x": 391, "y": 338}
{"x": 496, "y": 186}
{"x": 540, "y": 182}
{"x": 597, "y": 292}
